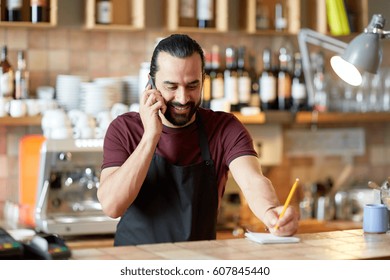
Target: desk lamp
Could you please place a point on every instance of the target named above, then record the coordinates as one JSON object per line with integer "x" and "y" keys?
{"x": 363, "y": 54}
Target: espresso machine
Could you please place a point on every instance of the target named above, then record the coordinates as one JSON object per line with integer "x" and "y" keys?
{"x": 66, "y": 201}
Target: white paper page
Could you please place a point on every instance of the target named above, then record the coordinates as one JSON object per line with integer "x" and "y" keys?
{"x": 268, "y": 238}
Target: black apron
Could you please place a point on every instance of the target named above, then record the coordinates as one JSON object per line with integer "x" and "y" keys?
{"x": 175, "y": 203}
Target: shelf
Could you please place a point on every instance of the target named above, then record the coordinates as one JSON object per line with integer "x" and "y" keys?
{"x": 221, "y": 18}
{"x": 293, "y": 16}
{"x": 313, "y": 117}
{"x": 341, "y": 118}
{"x": 23, "y": 121}
{"x": 53, "y": 15}
{"x": 279, "y": 117}
{"x": 130, "y": 16}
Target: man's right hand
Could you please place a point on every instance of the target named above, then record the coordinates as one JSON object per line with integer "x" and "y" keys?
{"x": 151, "y": 104}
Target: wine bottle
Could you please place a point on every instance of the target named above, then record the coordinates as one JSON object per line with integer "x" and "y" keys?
{"x": 298, "y": 87}
{"x": 104, "y": 11}
{"x": 284, "y": 81}
{"x": 205, "y": 13}
{"x": 255, "y": 97}
{"x": 216, "y": 74}
{"x": 230, "y": 78}
{"x": 38, "y": 11}
{"x": 244, "y": 79}
{"x": 321, "y": 101}
{"x": 187, "y": 11}
{"x": 280, "y": 17}
{"x": 21, "y": 78}
{"x": 13, "y": 10}
{"x": 206, "y": 94}
{"x": 7, "y": 77}
{"x": 262, "y": 15}
{"x": 267, "y": 83}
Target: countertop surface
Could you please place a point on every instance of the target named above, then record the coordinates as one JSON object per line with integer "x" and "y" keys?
{"x": 331, "y": 245}
{"x": 305, "y": 226}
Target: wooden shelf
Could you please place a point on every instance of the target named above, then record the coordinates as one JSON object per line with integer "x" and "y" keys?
{"x": 53, "y": 15}
{"x": 278, "y": 117}
{"x": 23, "y": 121}
{"x": 339, "y": 117}
{"x": 221, "y": 18}
{"x": 128, "y": 15}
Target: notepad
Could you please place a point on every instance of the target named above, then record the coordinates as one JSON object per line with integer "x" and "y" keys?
{"x": 268, "y": 238}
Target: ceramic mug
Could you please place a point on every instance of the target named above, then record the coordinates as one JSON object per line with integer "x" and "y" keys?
{"x": 16, "y": 108}
{"x": 375, "y": 218}
{"x": 3, "y": 102}
{"x": 33, "y": 107}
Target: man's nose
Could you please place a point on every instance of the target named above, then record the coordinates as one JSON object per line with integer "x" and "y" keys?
{"x": 181, "y": 95}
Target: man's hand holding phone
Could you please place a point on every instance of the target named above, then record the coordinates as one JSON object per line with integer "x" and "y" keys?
{"x": 152, "y": 104}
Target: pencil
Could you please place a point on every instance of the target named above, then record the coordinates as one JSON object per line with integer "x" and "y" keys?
{"x": 287, "y": 203}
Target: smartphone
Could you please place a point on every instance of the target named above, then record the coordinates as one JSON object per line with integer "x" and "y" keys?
{"x": 150, "y": 82}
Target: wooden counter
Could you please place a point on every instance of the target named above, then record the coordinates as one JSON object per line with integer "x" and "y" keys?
{"x": 334, "y": 245}
{"x": 305, "y": 226}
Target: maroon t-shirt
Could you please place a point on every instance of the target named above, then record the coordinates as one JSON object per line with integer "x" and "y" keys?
{"x": 227, "y": 137}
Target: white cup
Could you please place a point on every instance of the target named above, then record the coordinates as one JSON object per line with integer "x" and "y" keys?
{"x": 16, "y": 108}
{"x": 118, "y": 109}
{"x": 33, "y": 107}
{"x": 87, "y": 132}
{"x": 55, "y": 118}
{"x": 134, "y": 107}
{"x": 78, "y": 117}
{"x": 61, "y": 133}
{"x": 103, "y": 117}
{"x": 47, "y": 104}
{"x": 45, "y": 92}
{"x": 3, "y": 102}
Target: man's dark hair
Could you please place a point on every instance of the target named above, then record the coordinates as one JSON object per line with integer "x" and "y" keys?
{"x": 177, "y": 45}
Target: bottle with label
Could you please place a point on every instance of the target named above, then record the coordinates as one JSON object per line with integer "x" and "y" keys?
{"x": 7, "y": 77}
{"x": 207, "y": 81}
{"x": 104, "y": 12}
{"x": 280, "y": 16}
{"x": 187, "y": 11}
{"x": 21, "y": 78}
{"x": 262, "y": 15}
{"x": 284, "y": 81}
{"x": 267, "y": 83}
{"x": 321, "y": 101}
{"x": 205, "y": 13}
{"x": 244, "y": 79}
{"x": 298, "y": 87}
{"x": 38, "y": 11}
{"x": 216, "y": 74}
{"x": 13, "y": 10}
{"x": 230, "y": 77}
{"x": 255, "y": 98}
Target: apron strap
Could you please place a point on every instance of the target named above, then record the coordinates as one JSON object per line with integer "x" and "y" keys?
{"x": 203, "y": 142}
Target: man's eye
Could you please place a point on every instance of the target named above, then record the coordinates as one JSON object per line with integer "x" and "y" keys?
{"x": 171, "y": 88}
{"x": 192, "y": 87}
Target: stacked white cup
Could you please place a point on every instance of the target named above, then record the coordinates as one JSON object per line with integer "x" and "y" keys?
{"x": 56, "y": 124}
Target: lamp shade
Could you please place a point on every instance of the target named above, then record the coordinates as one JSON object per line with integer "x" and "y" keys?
{"x": 363, "y": 54}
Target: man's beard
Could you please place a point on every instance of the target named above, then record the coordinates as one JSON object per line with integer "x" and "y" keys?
{"x": 181, "y": 119}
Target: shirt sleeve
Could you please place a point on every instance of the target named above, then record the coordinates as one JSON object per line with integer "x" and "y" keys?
{"x": 236, "y": 140}
{"x": 121, "y": 139}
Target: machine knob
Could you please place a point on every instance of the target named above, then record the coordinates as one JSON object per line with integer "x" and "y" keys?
{"x": 65, "y": 156}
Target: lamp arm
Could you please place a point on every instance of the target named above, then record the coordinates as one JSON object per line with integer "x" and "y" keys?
{"x": 386, "y": 34}
{"x": 306, "y": 36}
